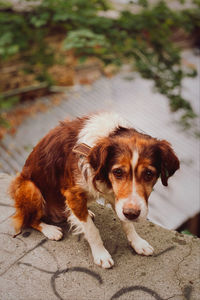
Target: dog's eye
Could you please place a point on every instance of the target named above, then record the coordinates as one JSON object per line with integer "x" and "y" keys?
{"x": 148, "y": 175}
{"x": 118, "y": 173}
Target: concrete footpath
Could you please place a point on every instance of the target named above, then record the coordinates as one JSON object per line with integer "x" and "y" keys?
{"x": 32, "y": 267}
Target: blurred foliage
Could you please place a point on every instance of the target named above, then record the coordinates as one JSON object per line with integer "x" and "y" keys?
{"x": 5, "y": 105}
{"x": 143, "y": 39}
{"x": 186, "y": 231}
{"x": 84, "y": 39}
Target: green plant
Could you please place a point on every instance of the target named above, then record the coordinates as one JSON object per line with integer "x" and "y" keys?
{"x": 84, "y": 40}
{"x": 186, "y": 231}
{"x": 5, "y": 105}
{"x": 144, "y": 39}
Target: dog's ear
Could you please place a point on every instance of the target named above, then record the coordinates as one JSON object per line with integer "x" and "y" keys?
{"x": 82, "y": 149}
{"x": 169, "y": 161}
{"x": 99, "y": 158}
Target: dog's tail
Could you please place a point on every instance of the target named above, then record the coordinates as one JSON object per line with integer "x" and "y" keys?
{"x": 15, "y": 183}
{"x": 28, "y": 202}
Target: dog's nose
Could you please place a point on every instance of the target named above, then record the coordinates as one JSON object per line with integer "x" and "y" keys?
{"x": 131, "y": 213}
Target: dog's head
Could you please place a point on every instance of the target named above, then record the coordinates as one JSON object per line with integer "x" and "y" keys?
{"x": 130, "y": 165}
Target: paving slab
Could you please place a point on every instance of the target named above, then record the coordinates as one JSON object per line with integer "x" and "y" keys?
{"x": 33, "y": 267}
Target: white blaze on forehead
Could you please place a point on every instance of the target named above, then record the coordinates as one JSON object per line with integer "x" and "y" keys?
{"x": 135, "y": 160}
{"x": 134, "y": 164}
{"x": 100, "y": 126}
{"x": 134, "y": 197}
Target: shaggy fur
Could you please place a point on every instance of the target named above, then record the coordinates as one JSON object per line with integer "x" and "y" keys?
{"x": 81, "y": 160}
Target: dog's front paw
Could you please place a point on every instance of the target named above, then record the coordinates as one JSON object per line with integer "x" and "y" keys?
{"x": 103, "y": 258}
{"x": 142, "y": 247}
{"x": 52, "y": 232}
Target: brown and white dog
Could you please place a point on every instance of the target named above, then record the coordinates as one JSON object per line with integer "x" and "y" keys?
{"x": 82, "y": 160}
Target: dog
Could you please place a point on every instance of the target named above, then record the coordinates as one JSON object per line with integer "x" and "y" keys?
{"x": 81, "y": 160}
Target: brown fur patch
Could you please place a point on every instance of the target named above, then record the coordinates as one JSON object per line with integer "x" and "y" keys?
{"x": 29, "y": 203}
{"x": 76, "y": 200}
{"x": 49, "y": 168}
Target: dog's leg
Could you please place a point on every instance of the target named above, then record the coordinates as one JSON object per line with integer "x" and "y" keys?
{"x": 76, "y": 200}
{"x": 100, "y": 254}
{"x": 139, "y": 245}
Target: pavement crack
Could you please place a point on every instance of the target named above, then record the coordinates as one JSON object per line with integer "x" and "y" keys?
{"x": 178, "y": 269}
{"x": 39, "y": 269}
{"x": 23, "y": 255}
{"x": 6, "y": 205}
{"x": 174, "y": 296}
{"x": 2, "y": 221}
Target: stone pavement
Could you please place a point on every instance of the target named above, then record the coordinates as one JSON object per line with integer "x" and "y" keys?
{"x": 134, "y": 98}
{"x": 34, "y": 268}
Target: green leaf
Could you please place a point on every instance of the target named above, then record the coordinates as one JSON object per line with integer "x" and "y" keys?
{"x": 186, "y": 231}
{"x": 4, "y": 122}
{"x": 13, "y": 49}
{"x": 84, "y": 38}
{"x": 82, "y": 59}
{"x": 6, "y": 104}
